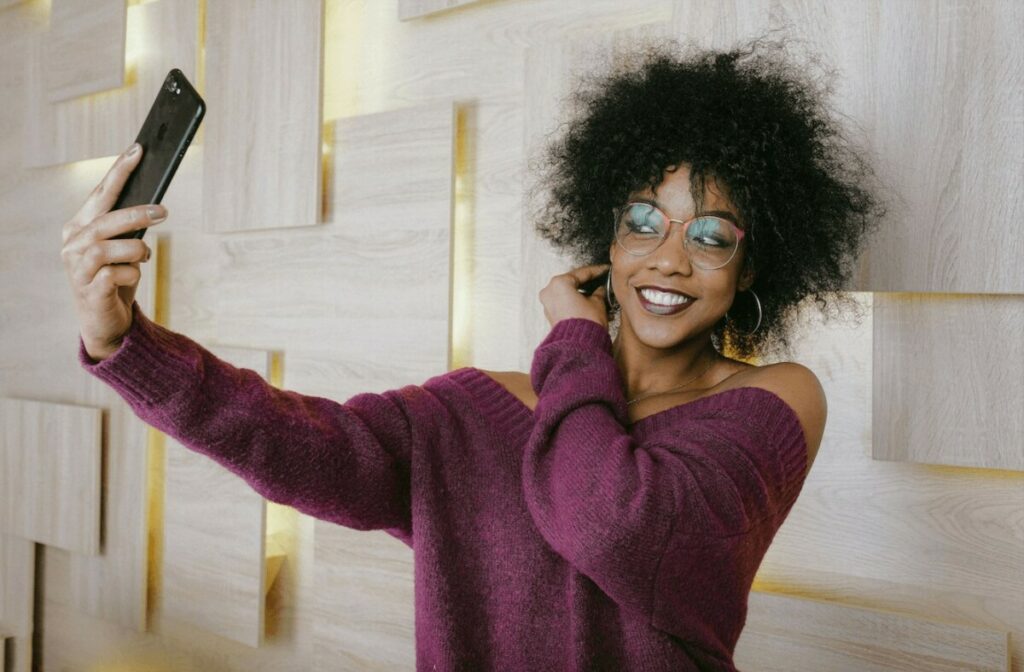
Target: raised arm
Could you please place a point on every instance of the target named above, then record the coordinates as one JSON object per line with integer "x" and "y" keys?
{"x": 668, "y": 524}
{"x": 347, "y": 463}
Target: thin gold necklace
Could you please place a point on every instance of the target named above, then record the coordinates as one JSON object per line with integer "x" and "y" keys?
{"x": 673, "y": 389}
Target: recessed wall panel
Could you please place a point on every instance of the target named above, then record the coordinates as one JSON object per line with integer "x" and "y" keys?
{"x": 214, "y": 536}
{"x": 262, "y": 162}
{"x": 399, "y": 288}
{"x": 794, "y": 634}
{"x": 376, "y": 273}
{"x": 160, "y": 36}
{"x": 365, "y": 612}
{"x": 50, "y": 457}
{"x": 17, "y": 583}
{"x": 84, "y": 48}
{"x": 949, "y": 380}
{"x": 113, "y": 586}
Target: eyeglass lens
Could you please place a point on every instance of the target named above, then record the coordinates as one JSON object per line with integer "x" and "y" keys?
{"x": 710, "y": 241}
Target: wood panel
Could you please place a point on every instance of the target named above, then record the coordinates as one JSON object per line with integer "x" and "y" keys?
{"x": 113, "y": 586}
{"x": 84, "y": 48}
{"x": 941, "y": 156}
{"x": 413, "y": 9}
{"x": 215, "y": 536}
{"x": 948, "y": 85}
{"x": 551, "y": 72}
{"x": 160, "y": 36}
{"x": 794, "y": 634}
{"x": 17, "y": 605}
{"x": 364, "y": 606}
{"x": 17, "y": 594}
{"x": 262, "y": 158}
{"x": 949, "y": 380}
{"x": 17, "y": 582}
{"x": 386, "y": 242}
{"x": 365, "y": 603}
{"x": 50, "y": 462}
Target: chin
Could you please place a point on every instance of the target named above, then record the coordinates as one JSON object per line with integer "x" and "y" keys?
{"x": 666, "y": 331}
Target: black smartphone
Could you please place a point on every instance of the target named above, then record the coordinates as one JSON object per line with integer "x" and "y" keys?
{"x": 590, "y": 286}
{"x": 171, "y": 124}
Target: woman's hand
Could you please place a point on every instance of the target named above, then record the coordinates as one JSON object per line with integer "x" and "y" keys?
{"x": 105, "y": 273}
{"x": 562, "y": 299}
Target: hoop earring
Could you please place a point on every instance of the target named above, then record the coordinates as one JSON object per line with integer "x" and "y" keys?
{"x": 609, "y": 298}
{"x": 760, "y": 315}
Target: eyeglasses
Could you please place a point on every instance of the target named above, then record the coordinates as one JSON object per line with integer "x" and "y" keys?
{"x": 711, "y": 242}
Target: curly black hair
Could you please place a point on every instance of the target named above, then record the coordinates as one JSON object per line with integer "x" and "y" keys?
{"x": 755, "y": 121}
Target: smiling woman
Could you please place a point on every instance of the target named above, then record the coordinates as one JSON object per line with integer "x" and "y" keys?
{"x": 609, "y": 510}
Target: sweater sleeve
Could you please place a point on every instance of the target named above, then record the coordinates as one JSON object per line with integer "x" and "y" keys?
{"x": 345, "y": 463}
{"x": 615, "y": 508}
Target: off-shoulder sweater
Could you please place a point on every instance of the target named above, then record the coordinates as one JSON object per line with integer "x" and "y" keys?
{"x": 563, "y": 538}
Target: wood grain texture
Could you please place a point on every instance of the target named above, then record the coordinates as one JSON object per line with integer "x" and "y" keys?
{"x": 17, "y": 602}
{"x": 948, "y": 86}
{"x": 414, "y": 9}
{"x": 344, "y": 279}
{"x": 949, "y": 380}
{"x": 214, "y": 536}
{"x": 409, "y": 264}
{"x": 262, "y": 158}
{"x": 84, "y": 48}
{"x": 364, "y": 610}
{"x": 918, "y": 539}
{"x": 17, "y": 585}
{"x": 160, "y": 35}
{"x": 50, "y": 469}
{"x": 793, "y": 634}
{"x": 113, "y": 586}
{"x": 552, "y": 70}
{"x": 950, "y": 162}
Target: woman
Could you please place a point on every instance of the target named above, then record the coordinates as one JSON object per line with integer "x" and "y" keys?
{"x": 610, "y": 511}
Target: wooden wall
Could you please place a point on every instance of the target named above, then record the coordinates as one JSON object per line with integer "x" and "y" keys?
{"x": 424, "y": 114}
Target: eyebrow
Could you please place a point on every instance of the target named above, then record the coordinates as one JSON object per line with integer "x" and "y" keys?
{"x": 724, "y": 214}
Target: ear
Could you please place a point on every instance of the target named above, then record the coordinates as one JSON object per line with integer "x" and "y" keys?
{"x": 746, "y": 277}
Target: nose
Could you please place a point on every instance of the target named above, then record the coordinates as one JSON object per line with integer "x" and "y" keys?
{"x": 671, "y": 255}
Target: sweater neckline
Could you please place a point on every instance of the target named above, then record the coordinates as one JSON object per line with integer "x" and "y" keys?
{"x": 517, "y": 418}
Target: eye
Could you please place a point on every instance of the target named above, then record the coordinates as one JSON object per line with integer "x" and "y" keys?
{"x": 710, "y": 232}
{"x": 642, "y": 218}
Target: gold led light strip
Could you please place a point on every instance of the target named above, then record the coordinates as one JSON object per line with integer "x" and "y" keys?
{"x": 461, "y": 255}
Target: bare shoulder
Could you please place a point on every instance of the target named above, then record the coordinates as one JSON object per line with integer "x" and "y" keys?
{"x": 517, "y": 383}
{"x": 800, "y": 388}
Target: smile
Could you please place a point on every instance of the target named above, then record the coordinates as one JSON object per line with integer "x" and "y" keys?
{"x": 663, "y": 303}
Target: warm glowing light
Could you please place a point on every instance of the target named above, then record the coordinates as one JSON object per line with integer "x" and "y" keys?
{"x": 460, "y": 304}
{"x": 134, "y": 42}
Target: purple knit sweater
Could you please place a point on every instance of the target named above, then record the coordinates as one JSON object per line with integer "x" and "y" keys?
{"x": 558, "y": 539}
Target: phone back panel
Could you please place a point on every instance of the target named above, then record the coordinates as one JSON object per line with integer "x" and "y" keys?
{"x": 171, "y": 124}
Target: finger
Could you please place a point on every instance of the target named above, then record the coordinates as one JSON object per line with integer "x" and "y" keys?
{"x": 106, "y": 192}
{"x": 585, "y": 273}
{"x": 109, "y": 278}
{"x": 121, "y": 221}
{"x": 107, "y": 253}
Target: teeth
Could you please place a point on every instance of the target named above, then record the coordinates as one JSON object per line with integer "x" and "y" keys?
{"x": 664, "y": 298}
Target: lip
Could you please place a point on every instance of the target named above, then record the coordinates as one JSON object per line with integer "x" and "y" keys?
{"x": 662, "y": 311}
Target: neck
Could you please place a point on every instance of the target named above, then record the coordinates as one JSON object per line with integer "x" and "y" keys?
{"x": 648, "y": 369}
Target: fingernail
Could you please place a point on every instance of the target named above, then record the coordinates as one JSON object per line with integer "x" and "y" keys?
{"x": 134, "y": 149}
{"x": 156, "y": 214}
